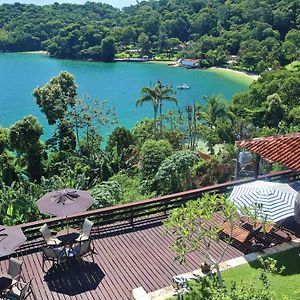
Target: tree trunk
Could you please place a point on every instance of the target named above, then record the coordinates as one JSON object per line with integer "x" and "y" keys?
{"x": 220, "y": 279}
{"x": 77, "y": 131}
{"x": 161, "y": 118}
{"x": 155, "y": 121}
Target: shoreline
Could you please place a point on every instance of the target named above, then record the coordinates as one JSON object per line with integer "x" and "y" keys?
{"x": 241, "y": 74}
{"x": 35, "y": 52}
{"x": 226, "y": 72}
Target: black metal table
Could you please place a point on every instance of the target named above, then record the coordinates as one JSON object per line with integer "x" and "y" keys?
{"x": 68, "y": 235}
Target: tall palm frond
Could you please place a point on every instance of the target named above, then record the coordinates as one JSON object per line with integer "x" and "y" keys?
{"x": 157, "y": 95}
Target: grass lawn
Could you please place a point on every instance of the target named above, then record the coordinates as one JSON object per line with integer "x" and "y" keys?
{"x": 285, "y": 286}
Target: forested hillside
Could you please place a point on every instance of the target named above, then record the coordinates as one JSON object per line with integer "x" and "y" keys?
{"x": 263, "y": 34}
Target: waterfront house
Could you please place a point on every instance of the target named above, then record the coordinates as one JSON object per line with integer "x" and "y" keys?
{"x": 188, "y": 63}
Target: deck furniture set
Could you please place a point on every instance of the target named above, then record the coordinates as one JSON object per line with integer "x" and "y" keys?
{"x": 68, "y": 244}
{"x": 12, "y": 285}
{"x": 255, "y": 236}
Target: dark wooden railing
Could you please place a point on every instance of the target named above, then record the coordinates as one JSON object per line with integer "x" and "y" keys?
{"x": 131, "y": 211}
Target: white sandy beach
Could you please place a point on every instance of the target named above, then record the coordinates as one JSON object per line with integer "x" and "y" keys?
{"x": 244, "y": 74}
{"x": 37, "y": 52}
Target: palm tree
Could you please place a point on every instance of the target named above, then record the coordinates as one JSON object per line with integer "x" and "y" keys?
{"x": 157, "y": 95}
{"x": 215, "y": 110}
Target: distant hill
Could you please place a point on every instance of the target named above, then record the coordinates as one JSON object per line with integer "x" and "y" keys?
{"x": 263, "y": 34}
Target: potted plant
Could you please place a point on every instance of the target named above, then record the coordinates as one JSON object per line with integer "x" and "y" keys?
{"x": 205, "y": 267}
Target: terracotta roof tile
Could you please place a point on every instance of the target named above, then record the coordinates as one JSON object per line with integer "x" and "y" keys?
{"x": 283, "y": 149}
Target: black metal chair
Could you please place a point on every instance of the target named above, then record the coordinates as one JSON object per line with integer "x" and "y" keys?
{"x": 53, "y": 255}
{"x": 20, "y": 291}
{"x": 83, "y": 250}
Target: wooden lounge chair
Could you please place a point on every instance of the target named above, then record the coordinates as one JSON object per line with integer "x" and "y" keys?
{"x": 20, "y": 291}
{"x": 50, "y": 241}
{"x": 53, "y": 254}
{"x": 239, "y": 233}
{"x": 85, "y": 231}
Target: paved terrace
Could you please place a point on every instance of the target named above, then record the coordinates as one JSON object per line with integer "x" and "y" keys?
{"x": 130, "y": 253}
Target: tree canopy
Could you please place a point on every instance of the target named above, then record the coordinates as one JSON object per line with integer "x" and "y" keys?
{"x": 263, "y": 34}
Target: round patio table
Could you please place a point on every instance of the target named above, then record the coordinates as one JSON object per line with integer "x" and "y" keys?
{"x": 5, "y": 282}
{"x": 68, "y": 235}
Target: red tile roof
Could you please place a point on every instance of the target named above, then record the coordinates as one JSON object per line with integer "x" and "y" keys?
{"x": 283, "y": 149}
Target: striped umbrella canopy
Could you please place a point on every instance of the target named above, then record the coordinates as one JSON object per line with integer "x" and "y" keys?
{"x": 275, "y": 200}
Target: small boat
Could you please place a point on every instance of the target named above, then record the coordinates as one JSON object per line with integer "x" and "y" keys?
{"x": 183, "y": 87}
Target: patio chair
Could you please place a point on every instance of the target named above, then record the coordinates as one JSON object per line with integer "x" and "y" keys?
{"x": 85, "y": 231}
{"x": 239, "y": 233}
{"x": 20, "y": 291}
{"x": 50, "y": 241}
{"x": 83, "y": 250}
{"x": 14, "y": 270}
{"x": 53, "y": 255}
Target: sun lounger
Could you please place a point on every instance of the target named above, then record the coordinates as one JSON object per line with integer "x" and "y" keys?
{"x": 240, "y": 233}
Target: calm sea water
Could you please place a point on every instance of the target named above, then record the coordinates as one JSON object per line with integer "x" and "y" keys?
{"x": 118, "y": 83}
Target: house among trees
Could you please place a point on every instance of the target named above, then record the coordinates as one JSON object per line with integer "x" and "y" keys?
{"x": 188, "y": 63}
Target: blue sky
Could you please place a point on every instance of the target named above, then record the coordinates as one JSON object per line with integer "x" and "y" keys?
{"x": 116, "y": 3}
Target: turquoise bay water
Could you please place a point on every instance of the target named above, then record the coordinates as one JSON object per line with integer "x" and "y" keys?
{"x": 117, "y": 83}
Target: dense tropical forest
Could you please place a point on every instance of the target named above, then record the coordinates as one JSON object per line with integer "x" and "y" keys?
{"x": 262, "y": 34}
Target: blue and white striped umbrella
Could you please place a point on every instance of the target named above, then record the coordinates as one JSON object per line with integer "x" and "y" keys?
{"x": 276, "y": 200}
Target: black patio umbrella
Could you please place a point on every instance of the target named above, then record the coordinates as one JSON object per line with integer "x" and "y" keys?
{"x": 65, "y": 202}
{"x": 10, "y": 239}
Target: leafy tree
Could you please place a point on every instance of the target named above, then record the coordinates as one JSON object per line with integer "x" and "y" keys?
{"x": 25, "y": 134}
{"x": 144, "y": 43}
{"x": 153, "y": 153}
{"x": 106, "y": 194}
{"x": 192, "y": 226}
{"x": 121, "y": 138}
{"x": 218, "y": 169}
{"x": 130, "y": 188}
{"x": 89, "y": 117}
{"x": 145, "y": 130}
{"x": 121, "y": 147}
{"x": 294, "y": 37}
{"x": 215, "y": 110}
{"x": 108, "y": 49}
{"x": 24, "y": 137}
{"x": 275, "y": 112}
{"x": 56, "y": 99}
{"x": 9, "y": 171}
{"x": 4, "y": 141}
{"x": 176, "y": 172}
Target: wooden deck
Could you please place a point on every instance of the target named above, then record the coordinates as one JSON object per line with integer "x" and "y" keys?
{"x": 132, "y": 246}
{"x": 127, "y": 257}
